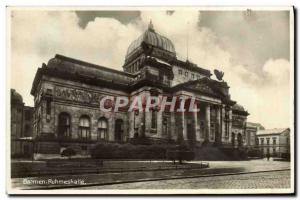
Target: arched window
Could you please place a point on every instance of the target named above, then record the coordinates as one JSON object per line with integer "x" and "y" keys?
{"x": 64, "y": 125}
{"x": 84, "y": 127}
{"x": 102, "y": 130}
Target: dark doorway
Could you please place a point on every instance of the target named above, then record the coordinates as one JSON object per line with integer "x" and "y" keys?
{"x": 190, "y": 133}
{"x": 232, "y": 139}
{"x": 119, "y": 130}
{"x": 239, "y": 139}
{"x": 26, "y": 150}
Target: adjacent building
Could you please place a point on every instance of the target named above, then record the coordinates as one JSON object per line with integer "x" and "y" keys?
{"x": 67, "y": 92}
{"x": 275, "y": 142}
{"x": 251, "y": 141}
{"x": 21, "y": 126}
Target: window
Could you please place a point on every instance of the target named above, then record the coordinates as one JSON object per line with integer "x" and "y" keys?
{"x": 268, "y": 141}
{"x": 84, "y": 148}
{"x": 186, "y": 74}
{"x": 274, "y": 141}
{"x": 102, "y": 130}
{"x": 261, "y": 140}
{"x": 193, "y": 76}
{"x": 27, "y": 115}
{"x": 27, "y": 131}
{"x": 84, "y": 127}
{"x": 64, "y": 124}
{"x": 180, "y": 72}
{"x": 153, "y": 121}
{"x": 212, "y": 131}
{"x": 202, "y": 129}
{"x": 48, "y": 107}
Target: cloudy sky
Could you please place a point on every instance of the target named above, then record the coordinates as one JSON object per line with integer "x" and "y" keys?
{"x": 251, "y": 47}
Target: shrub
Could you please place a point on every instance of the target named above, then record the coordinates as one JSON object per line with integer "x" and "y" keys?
{"x": 254, "y": 153}
{"x": 180, "y": 153}
{"x": 68, "y": 152}
{"x": 129, "y": 151}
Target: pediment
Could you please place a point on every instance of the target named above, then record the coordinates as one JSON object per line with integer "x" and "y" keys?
{"x": 202, "y": 87}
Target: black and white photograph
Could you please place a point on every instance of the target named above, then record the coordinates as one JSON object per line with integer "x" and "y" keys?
{"x": 150, "y": 100}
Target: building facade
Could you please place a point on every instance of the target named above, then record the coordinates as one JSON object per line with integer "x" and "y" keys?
{"x": 239, "y": 120}
{"x": 67, "y": 93}
{"x": 251, "y": 131}
{"x": 21, "y": 126}
{"x": 275, "y": 142}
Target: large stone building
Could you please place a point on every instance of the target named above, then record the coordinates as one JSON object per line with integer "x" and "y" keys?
{"x": 21, "y": 126}
{"x": 67, "y": 91}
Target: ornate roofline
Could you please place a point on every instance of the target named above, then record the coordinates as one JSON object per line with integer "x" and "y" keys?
{"x": 87, "y": 64}
{"x": 191, "y": 66}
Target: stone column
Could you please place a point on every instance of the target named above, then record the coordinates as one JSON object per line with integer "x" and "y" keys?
{"x": 173, "y": 126}
{"x": 196, "y": 124}
{"x": 223, "y": 124}
{"x": 230, "y": 124}
{"x": 184, "y": 133}
{"x": 207, "y": 122}
{"x": 218, "y": 126}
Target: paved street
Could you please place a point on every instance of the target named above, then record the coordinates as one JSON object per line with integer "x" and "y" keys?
{"x": 183, "y": 177}
{"x": 279, "y": 179}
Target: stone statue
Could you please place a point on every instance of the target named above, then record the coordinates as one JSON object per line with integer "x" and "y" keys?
{"x": 219, "y": 74}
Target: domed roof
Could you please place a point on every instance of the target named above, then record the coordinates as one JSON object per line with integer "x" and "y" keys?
{"x": 152, "y": 38}
{"x": 15, "y": 97}
{"x": 238, "y": 107}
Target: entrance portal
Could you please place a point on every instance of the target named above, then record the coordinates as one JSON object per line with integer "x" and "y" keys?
{"x": 190, "y": 133}
{"x": 119, "y": 130}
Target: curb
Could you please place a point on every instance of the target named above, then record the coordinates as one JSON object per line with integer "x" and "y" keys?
{"x": 154, "y": 179}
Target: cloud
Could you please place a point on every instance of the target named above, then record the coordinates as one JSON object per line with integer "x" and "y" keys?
{"x": 37, "y": 36}
{"x": 252, "y": 37}
{"x": 264, "y": 92}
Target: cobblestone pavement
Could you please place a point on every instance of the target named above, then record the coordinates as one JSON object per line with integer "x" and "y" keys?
{"x": 250, "y": 165}
{"x": 277, "y": 179}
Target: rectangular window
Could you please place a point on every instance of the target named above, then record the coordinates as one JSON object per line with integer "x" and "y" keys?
{"x": 268, "y": 141}
{"x": 27, "y": 115}
{"x": 202, "y": 129}
{"x": 154, "y": 121}
{"x": 274, "y": 141}
{"x": 193, "y": 76}
{"x": 84, "y": 132}
{"x": 261, "y": 140}
{"x": 180, "y": 72}
{"x": 48, "y": 107}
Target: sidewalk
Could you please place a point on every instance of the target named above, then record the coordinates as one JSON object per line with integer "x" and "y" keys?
{"x": 216, "y": 168}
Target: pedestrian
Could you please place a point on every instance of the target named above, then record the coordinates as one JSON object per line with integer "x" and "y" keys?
{"x": 268, "y": 156}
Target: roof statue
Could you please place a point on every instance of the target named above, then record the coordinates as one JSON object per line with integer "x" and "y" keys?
{"x": 219, "y": 74}
{"x": 150, "y": 26}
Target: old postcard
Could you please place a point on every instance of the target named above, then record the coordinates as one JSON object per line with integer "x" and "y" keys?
{"x": 150, "y": 100}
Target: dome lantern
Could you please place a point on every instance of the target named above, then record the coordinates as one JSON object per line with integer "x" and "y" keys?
{"x": 150, "y": 26}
